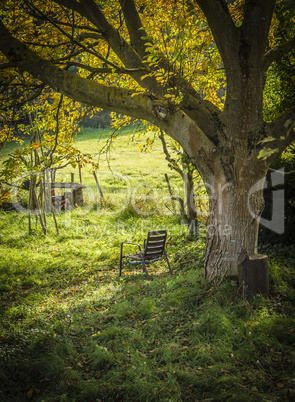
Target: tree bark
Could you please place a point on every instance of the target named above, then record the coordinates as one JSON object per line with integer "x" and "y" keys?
{"x": 236, "y": 204}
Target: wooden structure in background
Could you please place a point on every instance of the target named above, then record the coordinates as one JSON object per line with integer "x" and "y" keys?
{"x": 72, "y": 196}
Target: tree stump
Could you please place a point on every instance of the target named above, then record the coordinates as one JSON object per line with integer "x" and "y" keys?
{"x": 253, "y": 274}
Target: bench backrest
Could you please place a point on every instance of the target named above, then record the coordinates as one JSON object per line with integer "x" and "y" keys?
{"x": 155, "y": 244}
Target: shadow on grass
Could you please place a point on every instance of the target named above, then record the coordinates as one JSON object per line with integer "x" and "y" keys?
{"x": 78, "y": 332}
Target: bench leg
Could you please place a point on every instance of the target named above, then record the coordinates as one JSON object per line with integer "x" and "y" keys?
{"x": 121, "y": 260}
{"x": 170, "y": 270}
{"x": 144, "y": 267}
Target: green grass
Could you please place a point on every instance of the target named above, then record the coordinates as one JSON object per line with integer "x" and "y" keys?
{"x": 72, "y": 330}
{"x": 126, "y": 175}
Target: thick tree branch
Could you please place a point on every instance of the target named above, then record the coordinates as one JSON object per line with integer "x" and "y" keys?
{"x": 224, "y": 31}
{"x": 136, "y": 33}
{"x": 131, "y": 103}
{"x": 193, "y": 103}
{"x": 257, "y": 20}
{"x": 278, "y": 52}
{"x": 134, "y": 26}
{"x": 64, "y": 82}
{"x": 125, "y": 52}
{"x": 281, "y": 134}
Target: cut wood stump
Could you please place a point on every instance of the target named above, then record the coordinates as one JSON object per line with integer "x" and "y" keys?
{"x": 253, "y": 274}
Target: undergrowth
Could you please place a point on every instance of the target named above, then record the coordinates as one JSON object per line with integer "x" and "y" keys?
{"x": 72, "y": 330}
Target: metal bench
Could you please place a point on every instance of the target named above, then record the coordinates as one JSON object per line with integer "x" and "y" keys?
{"x": 154, "y": 248}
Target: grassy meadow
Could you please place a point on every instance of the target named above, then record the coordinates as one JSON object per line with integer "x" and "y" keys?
{"x": 72, "y": 330}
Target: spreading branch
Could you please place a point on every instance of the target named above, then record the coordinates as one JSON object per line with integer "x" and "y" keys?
{"x": 125, "y": 101}
{"x": 222, "y": 26}
{"x": 257, "y": 15}
{"x": 125, "y": 52}
{"x": 131, "y": 55}
{"x": 134, "y": 26}
{"x": 278, "y": 52}
{"x": 281, "y": 134}
{"x": 71, "y": 85}
{"x": 76, "y": 42}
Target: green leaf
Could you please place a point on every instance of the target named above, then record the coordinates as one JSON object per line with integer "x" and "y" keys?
{"x": 267, "y": 139}
{"x": 147, "y": 37}
{"x": 180, "y": 23}
{"x": 267, "y": 152}
{"x": 142, "y": 78}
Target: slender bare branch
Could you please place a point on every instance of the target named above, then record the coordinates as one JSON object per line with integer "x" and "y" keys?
{"x": 56, "y": 133}
{"x": 168, "y": 156}
{"x": 87, "y": 28}
{"x": 44, "y": 45}
{"x": 7, "y": 65}
{"x": 88, "y": 35}
{"x": 103, "y": 70}
{"x": 75, "y": 52}
{"x": 76, "y": 42}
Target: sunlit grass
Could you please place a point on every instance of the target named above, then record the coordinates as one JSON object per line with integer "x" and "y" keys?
{"x": 126, "y": 175}
{"x": 72, "y": 330}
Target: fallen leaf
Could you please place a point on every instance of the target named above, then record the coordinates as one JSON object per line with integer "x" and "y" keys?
{"x": 30, "y": 393}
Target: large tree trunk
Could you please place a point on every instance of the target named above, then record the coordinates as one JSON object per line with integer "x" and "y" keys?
{"x": 235, "y": 209}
